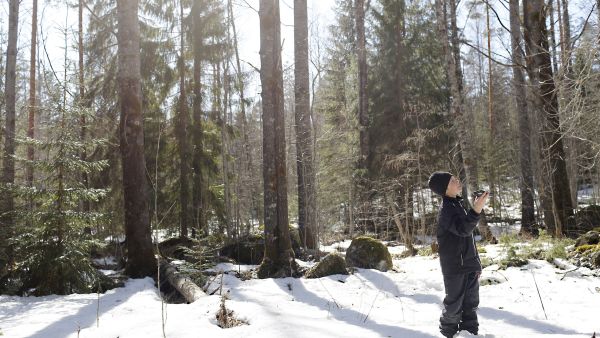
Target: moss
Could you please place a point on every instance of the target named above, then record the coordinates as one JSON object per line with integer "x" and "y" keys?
{"x": 368, "y": 253}
{"x": 588, "y": 247}
{"x": 332, "y": 264}
{"x": 481, "y": 249}
{"x": 485, "y": 261}
{"x": 425, "y": 251}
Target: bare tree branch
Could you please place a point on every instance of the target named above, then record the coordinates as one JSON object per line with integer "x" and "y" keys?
{"x": 466, "y": 42}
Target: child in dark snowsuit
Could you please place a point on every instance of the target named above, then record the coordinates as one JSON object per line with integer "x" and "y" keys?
{"x": 459, "y": 259}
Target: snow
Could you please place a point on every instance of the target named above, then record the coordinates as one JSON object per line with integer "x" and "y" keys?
{"x": 587, "y": 194}
{"x": 404, "y": 302}
{"x": 537, "y": 300}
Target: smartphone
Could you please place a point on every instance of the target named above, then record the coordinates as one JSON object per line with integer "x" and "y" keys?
{"x": 479, "y": 193}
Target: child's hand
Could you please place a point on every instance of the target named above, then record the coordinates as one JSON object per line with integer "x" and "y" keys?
{"x": 480, "y": 202}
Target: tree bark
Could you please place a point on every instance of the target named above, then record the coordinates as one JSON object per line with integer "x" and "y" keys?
{"x": 279, "y": 257}
{"x": 552, "y": 36}
{"x": 539, "y": 67}
{"x": 182, "y": 136}
{"x": 490, "y": 82}
{"x": 198, "y": 184}
{"x": 491, "y": 114}
{"x": 225, "y": 148}
{"x": 566, "y": 43}
{"x": 140, "y": 260}
{"x": 32, "y": 99}
{"x": 570, "y": 147}
{"x": 451, "y": 47}
{"x": 519, "y": 91}
{"x": 363, "y": 95}
{"x": 82, "y": 101}
{"x": 8, "y": 169}
{"x": 400, "y": 27}
{"x": 598, "y": 14}
{"x": 304, "y": 154}
{"x": 184, "y": 285}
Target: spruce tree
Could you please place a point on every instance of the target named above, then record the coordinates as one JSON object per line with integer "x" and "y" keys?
{"x": 55, "y": 237}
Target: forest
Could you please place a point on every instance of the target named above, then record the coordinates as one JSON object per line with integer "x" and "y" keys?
{"x": 193, "y": 151}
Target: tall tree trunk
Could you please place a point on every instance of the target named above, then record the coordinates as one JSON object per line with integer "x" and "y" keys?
{"x": 363, "y": 95}
{"x": 8, "y": 169}
{"x": 553, "y": 35}
{"x": 182, "y": 138}
{"x": 519, "y": 91}
{"x": 400, "y": 27}
{"x": 82, "y": 120}
{"x": 490, "y": 83}
{"x": 278, "y": 260}
{"x": 216, "y": 115}
{"x": 32, "y": 99}
{"x": 491, "y": 117}
{"x": 82, "y": 101}
{"x": 246, "y": 146}
{"x": 140, "y": 255}
{"x": 539, "y": 66}
{"x": 468, "y": 173}
{"x": 197, "y": 185}
{"x": 598, "y": 14}
{"x": 570, "y": 150}
{"x": 561, "y": 31}
{"x": 403, "y": 197}
{"x": 566, "y": 43}
{"x": 228, "y": 167}
{"x": 225, "y": 147}
{"x": 304, "y": 152}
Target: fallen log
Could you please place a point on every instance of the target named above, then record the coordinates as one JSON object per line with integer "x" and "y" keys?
{"x": 183, "y": 284}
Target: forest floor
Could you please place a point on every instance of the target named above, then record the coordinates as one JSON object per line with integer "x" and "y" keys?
{"x": 534, "y": 300}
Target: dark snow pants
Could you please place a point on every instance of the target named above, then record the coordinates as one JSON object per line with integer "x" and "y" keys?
{"x": 460, "y": 303}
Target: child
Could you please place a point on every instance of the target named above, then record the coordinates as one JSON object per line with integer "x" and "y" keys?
{"x": 458, "y": 255}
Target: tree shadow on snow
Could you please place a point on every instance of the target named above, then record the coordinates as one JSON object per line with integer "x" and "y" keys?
{"x": 302, "y": 294}
{"x": 86, "y": 315}
{"x": 518, "y": 320}
{"x": 382, "y": 282}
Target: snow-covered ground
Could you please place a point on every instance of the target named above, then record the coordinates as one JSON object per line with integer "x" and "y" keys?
{"x": 532, "y": 301}
{"x": 405, "y": 302}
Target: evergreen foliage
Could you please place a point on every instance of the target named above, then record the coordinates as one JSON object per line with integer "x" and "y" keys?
{"x": 55, "y": 234}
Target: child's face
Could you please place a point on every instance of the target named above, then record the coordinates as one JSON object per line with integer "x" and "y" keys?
{"x": 454, "y": 187}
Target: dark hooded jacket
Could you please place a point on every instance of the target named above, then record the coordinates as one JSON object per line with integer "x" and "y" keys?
{"x": 458, "y": 253}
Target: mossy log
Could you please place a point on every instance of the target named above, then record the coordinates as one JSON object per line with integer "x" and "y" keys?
{"x": 183, "y": 284}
